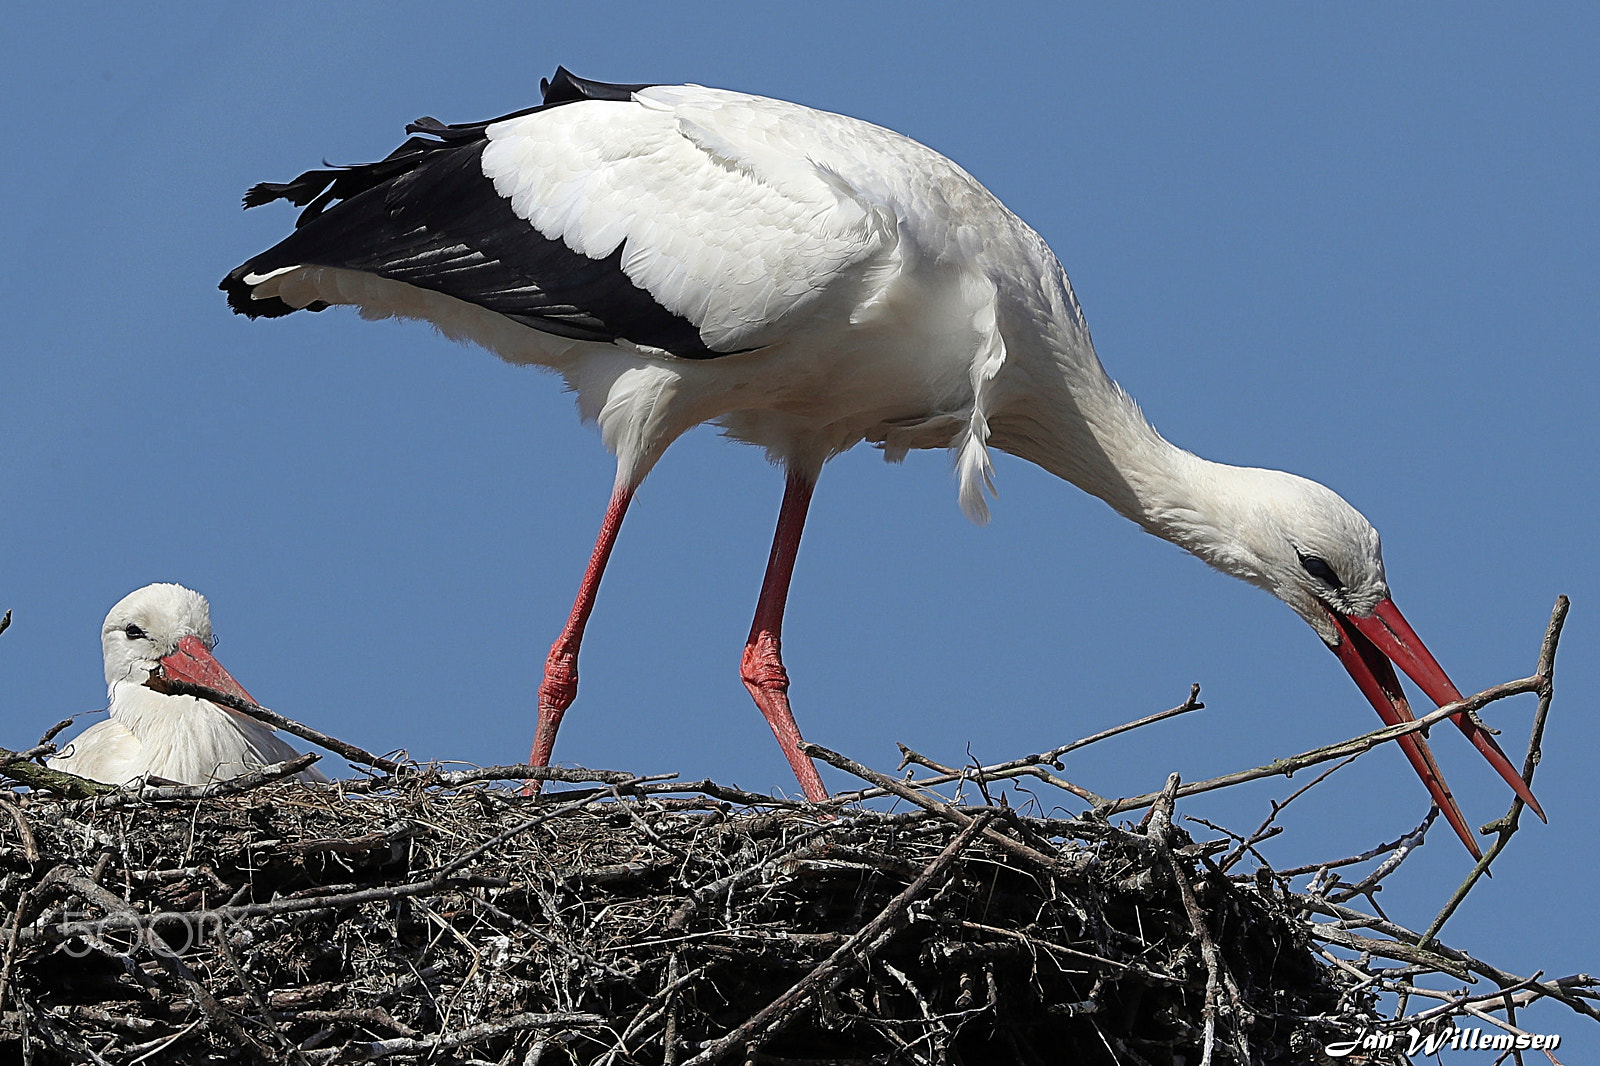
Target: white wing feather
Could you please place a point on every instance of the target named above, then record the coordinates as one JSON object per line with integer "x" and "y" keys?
{"x": 787, "y": 229}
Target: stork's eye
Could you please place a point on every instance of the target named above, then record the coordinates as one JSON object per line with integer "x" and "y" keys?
{"x": 134, "y": 632}
{"x": 1319, "y": 569}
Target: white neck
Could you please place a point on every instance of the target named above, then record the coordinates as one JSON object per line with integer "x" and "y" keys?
{"x": 1058, "y": 408}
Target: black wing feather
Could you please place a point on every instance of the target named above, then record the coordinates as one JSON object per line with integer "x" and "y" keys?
{"x": 426, "y": 215}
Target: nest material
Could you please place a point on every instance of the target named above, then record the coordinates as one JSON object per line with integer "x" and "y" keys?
{"x": 426, "y": 916}
{"x": 298, "y": 923}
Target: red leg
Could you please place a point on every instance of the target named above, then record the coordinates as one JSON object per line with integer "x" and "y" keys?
{"x": 560, "y": 685}
{"x": 762, "y": 664}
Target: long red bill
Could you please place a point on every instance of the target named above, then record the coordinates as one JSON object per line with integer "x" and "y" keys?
{"x": 193, "y": 662}
{"x": 1387, "y": 628}
{"x": 1375, "y": 676}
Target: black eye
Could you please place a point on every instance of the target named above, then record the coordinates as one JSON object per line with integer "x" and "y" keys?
{"x": 134, "y": 632}
{"x": 1319, "y": 569}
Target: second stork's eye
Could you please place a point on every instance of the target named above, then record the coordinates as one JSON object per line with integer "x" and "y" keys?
{"x": 1319, "y": 569}
{"x": 134, "y": 632}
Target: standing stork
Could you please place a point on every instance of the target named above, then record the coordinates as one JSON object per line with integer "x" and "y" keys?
{"x": 806, "y": 281}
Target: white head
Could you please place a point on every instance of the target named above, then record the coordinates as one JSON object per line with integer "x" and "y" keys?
{"x": 1304, "y": 544}
{"x": 1293, "y": 537}
{"x": 146, "y": 626}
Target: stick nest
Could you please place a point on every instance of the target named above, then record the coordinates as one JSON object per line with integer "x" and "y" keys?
{"x": 423, "y": 915}
{"x": 306, "y": 918}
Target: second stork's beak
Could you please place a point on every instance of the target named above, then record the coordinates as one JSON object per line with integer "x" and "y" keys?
{"x": 1372, "y": 646}
{"x": 193, "y": 662}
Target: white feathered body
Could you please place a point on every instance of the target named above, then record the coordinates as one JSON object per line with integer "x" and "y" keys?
{"x": 864, "y": 284}
{"x": 178, "y": 738}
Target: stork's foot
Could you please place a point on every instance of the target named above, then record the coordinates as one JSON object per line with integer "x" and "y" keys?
{"x": 560, "y": 685}
{"x": 762, "y": 670}
{"x": 556, "y": 693}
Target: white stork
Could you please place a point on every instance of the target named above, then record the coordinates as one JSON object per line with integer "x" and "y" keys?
{"x": 165, "y": 631}
{"x": 806, "y": 281}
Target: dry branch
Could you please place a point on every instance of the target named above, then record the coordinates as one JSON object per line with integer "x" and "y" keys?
{"x": 16, "y": 766}
{"x": 1506, "y": 827}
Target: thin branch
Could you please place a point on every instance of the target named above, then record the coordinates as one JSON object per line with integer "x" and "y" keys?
{"x": 1218, "y": 977}
{"x": 55, "y": 730}
{"x": 383, "y": 1049}
{"x": 1398, "y": 854}
{"x": 566, "y": 774}
{"x": 125, "y": 919}
{"x": 288, "y": 725}
{"x": 168, "y": 959}
{"x": 1387, "y": 949}
{"x": 1507, "y": 827}
{"x": 1052, "y": 863}
{"x": 254, "y": 992}
{"x": 1030, "y": 765}
{"x": 1371, "y": 853}
{"x": 135, "y": 795}
{"x": 1287, "y": 767}
{"x": 18, "y": 768}
{"x": 30, "y": 847}
{"x": 1263, "y": 831}
{"x": 539, "y": 819}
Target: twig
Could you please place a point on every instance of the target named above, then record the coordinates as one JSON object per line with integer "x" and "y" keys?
{"x": 55, "y": 730}
{"x": 1453, "y": 1004}
{"x": 30, "y": 847}
{"x": 1052, "y": 863}
{"x": 1506, "y": 827}
{"x": 254, "y": 992}
{"x": 1398, "y": 854}
{"x": 658, "y": 1004}
{"x": 200, "y": 919}
{"x": 1372, "y": 853}
{"x": 35, "y": 752}
{"x": 1053, "y": 756}
{"x": 1263, "y": 831}
{"x": 13, "y": 932}
{"x": 472, "y": 1034}
{"x": 288, "y": 725}
{"x": 169, "y": 960}
{"x": 567, "y": 774}
{"x": 707, "y": 787}
{"x": 1387, "y": 949}
{"x": 15, "y": 766}
{"x": 1356, "y": 745}
{"x": 1029, "y": 766}
{"x": 136, "y": 795}
{"x": 1036, "y": 945}
{"x": 5, "y": 622}
{"x": 538, "y": 819}
{"x": 1217, "y": 975}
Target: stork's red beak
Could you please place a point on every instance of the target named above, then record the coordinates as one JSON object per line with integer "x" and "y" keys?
{"x": 1372, "y": 647}
{"x": 193, "y": 662}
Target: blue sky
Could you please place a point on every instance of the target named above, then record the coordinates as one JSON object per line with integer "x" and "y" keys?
{"x": 1354, "y": 243}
